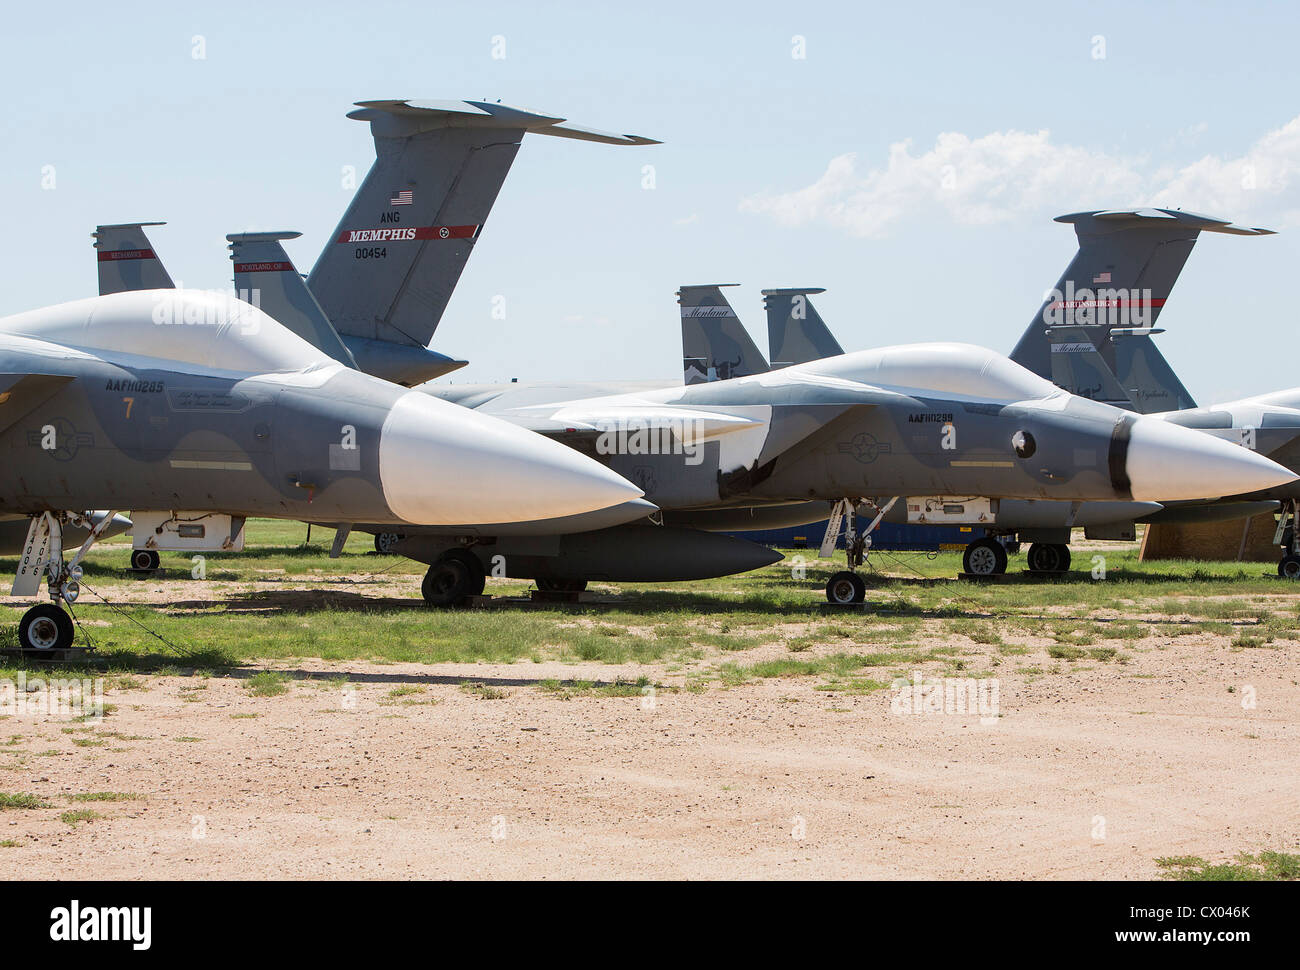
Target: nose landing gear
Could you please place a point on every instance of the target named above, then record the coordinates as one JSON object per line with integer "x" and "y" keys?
{"x": 47, "y": 627}
{"x": 846, "y": 587}
{"x": 1289, "y": 566}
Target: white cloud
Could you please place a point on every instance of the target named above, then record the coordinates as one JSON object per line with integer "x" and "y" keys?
{"x": 1004, "y": 176}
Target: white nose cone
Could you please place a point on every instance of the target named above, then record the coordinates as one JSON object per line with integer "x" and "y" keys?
{"x": 442, "y": 464}
{"x": 1169, "y": 463}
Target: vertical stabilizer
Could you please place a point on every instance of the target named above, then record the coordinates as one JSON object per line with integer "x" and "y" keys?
{"x": 389, "y": 269}
{"x": 715, "y": 345}
{"x": 127, "y": 260}
{"x": 796, "y": 332}
{"x": 266, "y": 277}
{"x": 1115, "y": 288}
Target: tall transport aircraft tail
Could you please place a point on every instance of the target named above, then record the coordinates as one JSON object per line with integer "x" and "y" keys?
{"x": 389, "y": 269}
{"x": 127, "y": 261}
{"x": 1110, "y": 297}
{"x": 715, "y": 344}
{"x": 796, "y": 332}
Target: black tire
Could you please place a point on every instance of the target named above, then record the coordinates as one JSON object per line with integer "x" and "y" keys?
{"x": 384, "y": 542}
{"x": 144, "y": 560}
{"x": 1289, "y": 567}
{"x": 477, "y": 572}
{"x": 45, "y": 627}
{"x": 984, "y": 557}
{"x": 845, "y": 588}
{"x": 1047, "y": 557}
{"x": 560, "y": 585}
{"x": 453, "y": 579}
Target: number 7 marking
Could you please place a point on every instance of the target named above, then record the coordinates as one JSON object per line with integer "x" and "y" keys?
{"x": 129, "y": 402}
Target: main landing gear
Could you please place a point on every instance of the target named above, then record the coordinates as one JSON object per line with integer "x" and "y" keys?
{"x": 454, "y": 577}
{"x": 1289, "y": 566}
{"x": 988, "y": 557}
{"x": 144, "y": 561}
{"x": 47, "y": 627}
{"x": 984, "y": 557}
{"x": 384, "y": 541}
{"x": 846, "y": 587}
{"x": 1048, "y": 557}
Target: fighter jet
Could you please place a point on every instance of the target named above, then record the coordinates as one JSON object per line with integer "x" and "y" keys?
{"x": 1096, "y": 323}
{"x": 196, "y": 410}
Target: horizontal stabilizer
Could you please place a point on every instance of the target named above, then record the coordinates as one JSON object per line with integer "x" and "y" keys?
{"x": 404, "y": 118}
{"x": 127, "y": 260}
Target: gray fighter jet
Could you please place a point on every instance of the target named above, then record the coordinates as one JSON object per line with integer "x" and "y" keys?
{"x": 1094, "y": 326}
{"x": 923, "y": 419}
{"x": 197, "y": 410}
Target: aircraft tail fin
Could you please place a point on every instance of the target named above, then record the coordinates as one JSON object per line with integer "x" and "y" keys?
{"x": 388, "y": 271}
{"x": 1082, "y": 367}
{"x": 1148, "y": 377}
{"x": 266, "y": 277}
{"x": 715, "y": 344}
{"x": 127, "y": 260}
{"x": 796, "y": 332}
{"x": 1126, "y": 266}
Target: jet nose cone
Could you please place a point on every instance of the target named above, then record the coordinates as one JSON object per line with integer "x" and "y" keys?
{"x": 1166, "y": 462}
{"x": 442, "y": 464}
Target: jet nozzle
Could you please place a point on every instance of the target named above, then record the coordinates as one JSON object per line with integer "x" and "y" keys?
{"x": 441, "y": 464}
{"x": 1164, "y": 462}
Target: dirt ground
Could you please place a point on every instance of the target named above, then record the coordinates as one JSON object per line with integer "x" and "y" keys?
{"x": 404, "y": 772}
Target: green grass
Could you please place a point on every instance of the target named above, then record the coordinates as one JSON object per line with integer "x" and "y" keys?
{"x": 104, "y": 796}
{"x": 267, "y": 683}
{"x": 1265, "y": 866}
{"x": 484, "y": 692}
{"x": 566, "y": 689}
{"x": 362, "y": 606}
{"x": 8, "y": 800}
{"x": 74, "y": 815}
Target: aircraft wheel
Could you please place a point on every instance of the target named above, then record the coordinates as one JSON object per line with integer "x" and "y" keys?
{"x": 1048, "y": 558}
{"x": 453, "y": 579}
{"x": 144, "y": 560}
{"x": 45, "y": 627}
{"x": 384, "y": 542}
{"x": 561, "y": 585}
{"x": 845, "y": 588}
{"x": 984, "y": 557}
{"x": 1289, "y": 567}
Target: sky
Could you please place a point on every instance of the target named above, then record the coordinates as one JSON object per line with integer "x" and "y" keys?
{"x": 908, "y": 158}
